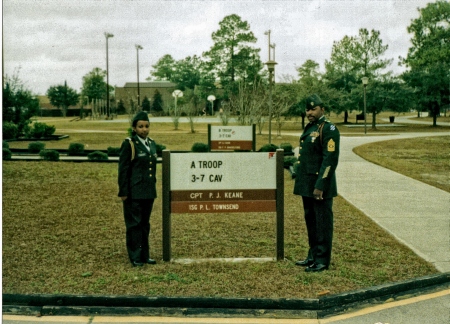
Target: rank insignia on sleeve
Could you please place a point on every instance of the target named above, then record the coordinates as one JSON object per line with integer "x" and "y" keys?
{"x": 331, "y": 146}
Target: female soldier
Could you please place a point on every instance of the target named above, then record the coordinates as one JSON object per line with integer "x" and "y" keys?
{"x": 137, "y": 188}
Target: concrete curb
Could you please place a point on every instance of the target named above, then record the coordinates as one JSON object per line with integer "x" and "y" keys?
{"x": 63, "y": 305}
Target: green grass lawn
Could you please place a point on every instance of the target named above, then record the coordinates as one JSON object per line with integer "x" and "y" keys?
{"x": 426, "y": 159}
{"x": 63, "y": 232}
{"x": 63, "y": 229}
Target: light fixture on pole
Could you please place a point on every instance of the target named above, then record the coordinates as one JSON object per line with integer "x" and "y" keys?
{"x": 107, "y": 35}
{"x": 177, "y": 94}
{"x": 211, "y": 99}
{"x": 138, "y": 47}
{"x": 365, "y": 81}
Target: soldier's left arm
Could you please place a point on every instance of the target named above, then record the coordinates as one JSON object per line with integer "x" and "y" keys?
{"x": 330, "y": 153}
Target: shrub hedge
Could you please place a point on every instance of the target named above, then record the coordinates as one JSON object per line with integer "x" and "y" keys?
{"x": 6, "y": 154}
{"x": 35, "y": 147}
{"x": 268, "y": 148}
{"x": 49, "y": 155}
{"x": 97, "y": 156}
{"x": 200, "y": 147}
{"x": 75, "y": 149}
{"x": 287, "y": 147}
{"x": 160, "y": 148}
{"x": 113, "y": 151}
{"x": 10, "y": 130}
{"x": 39, "y": 130}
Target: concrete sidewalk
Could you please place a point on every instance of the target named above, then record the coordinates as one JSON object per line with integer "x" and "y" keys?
{"x": 411, "y": 119}
{"x": 417, "y": 214}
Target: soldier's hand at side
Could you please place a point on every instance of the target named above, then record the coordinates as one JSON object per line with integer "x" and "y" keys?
{"x": 318, "y": 194}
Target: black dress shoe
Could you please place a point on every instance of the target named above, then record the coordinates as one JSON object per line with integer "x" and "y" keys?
{"x": 304, "y": 263}
{"x": 150, "y": 261}
{"x": 137, "y": 264}
{"x": 316, "y": 267}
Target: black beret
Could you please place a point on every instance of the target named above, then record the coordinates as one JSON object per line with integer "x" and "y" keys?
{"x": 142, "y": 115}
{"x": 313, "y": 101}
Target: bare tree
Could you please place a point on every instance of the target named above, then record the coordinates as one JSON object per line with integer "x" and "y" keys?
{"x": 249, "y": 104}
{"x": 192, "y": 108}
{"x": 283, "y": 98}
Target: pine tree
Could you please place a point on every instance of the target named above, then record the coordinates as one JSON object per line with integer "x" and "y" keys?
{"x": 157, "y": 106}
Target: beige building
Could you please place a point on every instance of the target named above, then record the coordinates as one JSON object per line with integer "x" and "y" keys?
{"x": 129, "y": 92}
{"x": 48, "y": 110}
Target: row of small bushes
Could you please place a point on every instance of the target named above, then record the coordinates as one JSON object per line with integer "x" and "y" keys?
{"x": 77, "y": 149}
{"x": 36, "y": 130}
{"x": 53, "y": 155}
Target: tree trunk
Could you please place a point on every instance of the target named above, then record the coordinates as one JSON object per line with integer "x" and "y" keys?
{"x": 374, "y": 118}
{"x": 435, "y": 110}
{"x": 346, "y": 117}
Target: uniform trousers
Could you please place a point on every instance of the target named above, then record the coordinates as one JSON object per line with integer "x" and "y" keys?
{"x": 319, "y": 224}
{"x": 137, "y": 222}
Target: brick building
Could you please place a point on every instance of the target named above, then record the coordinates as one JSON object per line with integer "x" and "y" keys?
{"x": 146, "y": 89}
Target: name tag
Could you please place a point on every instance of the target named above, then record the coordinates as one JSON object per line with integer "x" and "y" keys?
{"x": 141, "y": 154}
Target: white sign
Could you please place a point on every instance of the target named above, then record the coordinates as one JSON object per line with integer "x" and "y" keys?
{"x": 231, "y": 133}
{"x": 219, "y": 171}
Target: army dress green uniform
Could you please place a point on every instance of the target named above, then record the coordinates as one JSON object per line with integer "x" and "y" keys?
{"x": 137, "y": 181}
{"x": 317, "y": 162}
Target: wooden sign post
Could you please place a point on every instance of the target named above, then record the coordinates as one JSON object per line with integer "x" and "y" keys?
{"x": 223, "y": 183}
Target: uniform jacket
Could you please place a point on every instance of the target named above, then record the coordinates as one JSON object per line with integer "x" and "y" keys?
{"x": 137, "y": 177}
{"x": 318, "y": 159}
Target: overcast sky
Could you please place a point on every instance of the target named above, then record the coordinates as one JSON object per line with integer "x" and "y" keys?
{"x": 56, "y": 40}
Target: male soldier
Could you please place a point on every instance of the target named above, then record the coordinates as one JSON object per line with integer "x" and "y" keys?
{"x": 316, "y": 182}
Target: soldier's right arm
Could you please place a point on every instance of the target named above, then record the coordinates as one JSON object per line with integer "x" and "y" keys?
{"x": 124, "y": 168}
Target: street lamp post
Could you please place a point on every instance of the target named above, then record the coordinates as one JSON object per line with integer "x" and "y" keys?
{"x": 271, "y": 67}
{"x": 365, "y": 81}
{"x": 268, "y": 34}
{"x": 107, "y": 35}
{"x": 211, "y": 99}
{"x": 138, "y": 47}
{"x": 177, "y": 94}
{"x": 273, "y": 47}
